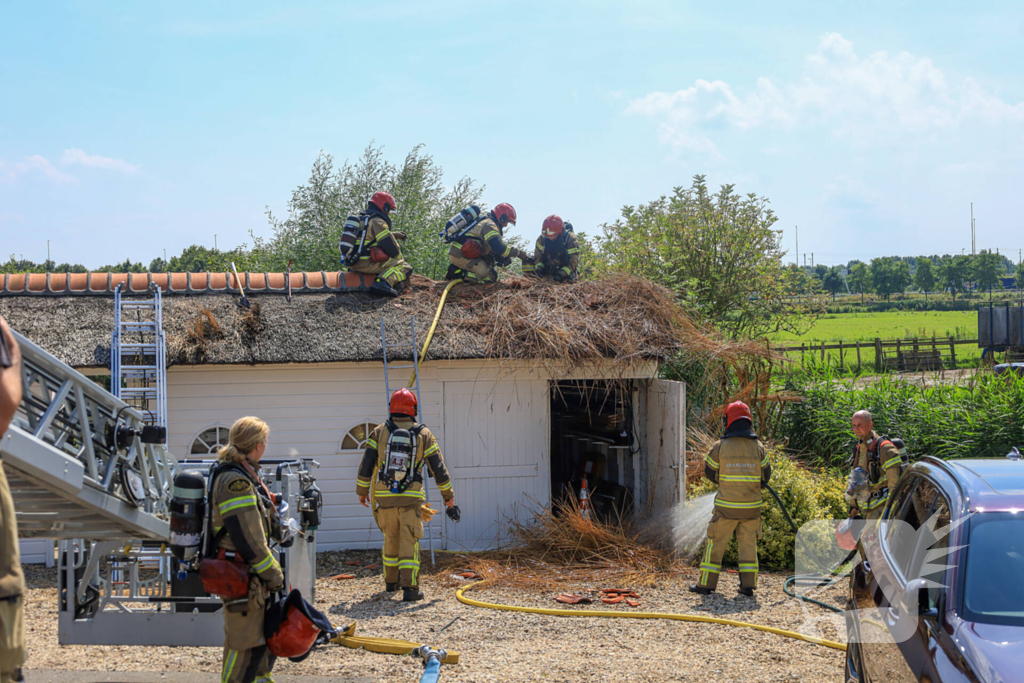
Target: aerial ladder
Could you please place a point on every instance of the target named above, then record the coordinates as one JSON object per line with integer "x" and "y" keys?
{"x": 93, "y": 472}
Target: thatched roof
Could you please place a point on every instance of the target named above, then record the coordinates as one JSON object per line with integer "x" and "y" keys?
{"x": 623, "y": 319}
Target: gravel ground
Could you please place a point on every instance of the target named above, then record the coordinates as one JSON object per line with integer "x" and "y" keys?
{"x": 506, "y": 646}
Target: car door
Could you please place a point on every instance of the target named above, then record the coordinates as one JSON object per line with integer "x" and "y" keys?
{"x": 874, "y": 580}
{"x": 903, "y": 650}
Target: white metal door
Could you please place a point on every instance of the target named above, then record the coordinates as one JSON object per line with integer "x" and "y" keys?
{"x": 496, "y": 440}
{"x": 665, "y": 445}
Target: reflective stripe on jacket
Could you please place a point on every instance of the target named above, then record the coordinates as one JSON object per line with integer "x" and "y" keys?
{"x": 239, "y": 507}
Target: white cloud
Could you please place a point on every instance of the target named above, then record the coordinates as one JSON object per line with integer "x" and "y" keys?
{"x": 75, "y": 156}
{"x": 36, "y": 164}
{"x": 860, "y": 99}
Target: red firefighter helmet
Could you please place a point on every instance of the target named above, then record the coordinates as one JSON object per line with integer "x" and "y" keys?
{"x": 295, "y": 636}
{"x": 403, "y": 402}
{"x": 553, "y": 226}
{"x": 844, "y": 535}
{"x": 736, "y": 410}
{"x": 384, "y": 201}
{"x": 504, "y": 214}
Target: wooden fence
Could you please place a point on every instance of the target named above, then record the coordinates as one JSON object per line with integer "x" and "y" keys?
{"x": 912, "y": 354}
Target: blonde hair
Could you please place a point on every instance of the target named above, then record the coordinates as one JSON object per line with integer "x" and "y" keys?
{"x": 246, "y": 434}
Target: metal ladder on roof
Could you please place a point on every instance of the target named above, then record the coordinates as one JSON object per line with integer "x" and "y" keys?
{"x": 138, "y": 355}
{"x": 415, "y": 377}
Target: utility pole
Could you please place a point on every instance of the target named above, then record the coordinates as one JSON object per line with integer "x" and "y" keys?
{"x": 165, "y": 256}
{"x": 972, "y": 228}
{"x": 797, "y": 245}
{"x": 812, "y": 259}
{"x": 215, "y": 239}
{"x": 47, "y": 253}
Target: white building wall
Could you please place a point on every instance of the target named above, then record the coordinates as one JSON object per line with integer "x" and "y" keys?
{"x": 310, "y": 407}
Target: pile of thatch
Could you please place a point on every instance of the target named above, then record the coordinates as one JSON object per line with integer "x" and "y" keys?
{"x": 620, "y": 317}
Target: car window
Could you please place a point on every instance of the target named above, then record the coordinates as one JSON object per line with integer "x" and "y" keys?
{"x": 933, "y": 538}
{"x": 896, "y": 503}
{"x": 901, "y": 537}
{"x": 993, "y": 590}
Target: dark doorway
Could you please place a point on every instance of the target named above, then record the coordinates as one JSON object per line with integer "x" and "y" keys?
{"x": 593, "y": 437}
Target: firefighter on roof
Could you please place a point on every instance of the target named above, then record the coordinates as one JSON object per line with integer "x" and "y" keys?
{"x": 880, "y": 458}
{"x": 475, "y": 255}
{"x": 243, "y": 520}
{"x": 557, "y": 252}
{"x": 740, "y": 467}
{"x": 12, "y": 579}
{"x": 380, "y": 253}
{"x": 395, "y": 454}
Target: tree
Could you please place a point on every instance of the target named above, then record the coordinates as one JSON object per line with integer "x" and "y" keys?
{"x": 901, "y": 278}
{"x": 820, "y": 271}
{"x": 988, "y": 268}
{"x": 833, "y": 282}
{"x": 1019, "y": 276}
{"x": 924, "y": 278}
{"x": 954, "y": 273}
{"x": 718, "y": 252}
{"x": 158, "y": 265}
{"x": 317, "y": 211}
{"x": 883, "y": 276}
{"x": 860, "y": 280}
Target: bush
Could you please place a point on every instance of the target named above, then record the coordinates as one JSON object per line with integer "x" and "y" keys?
{"x": 978, "y": 418}
{"x": 807, "y": 495}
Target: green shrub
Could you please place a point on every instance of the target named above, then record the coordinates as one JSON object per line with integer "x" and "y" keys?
{"x": 981, "y": 417}
{"x": 807, "y": 495}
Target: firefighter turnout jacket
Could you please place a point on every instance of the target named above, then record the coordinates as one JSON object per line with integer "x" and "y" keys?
{"x": 492, "y": 248}
{"x": 881, "y": 460}
{"x": 378, "y": 234}
{"x": 375, "y": 460}
{"x": 561, "y": 255}
{"x": 12, "y": 590}
{"x": 739, "y": 465}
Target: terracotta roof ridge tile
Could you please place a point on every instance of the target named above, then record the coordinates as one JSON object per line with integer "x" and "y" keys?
{"x": 104, "y": 284}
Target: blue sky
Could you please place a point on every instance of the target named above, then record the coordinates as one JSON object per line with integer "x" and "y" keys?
{"x": 130, "y": 128}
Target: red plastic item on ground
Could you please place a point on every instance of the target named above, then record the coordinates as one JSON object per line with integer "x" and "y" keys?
{"x": 571, "y": 599}
{"x": 372, "y": 566}
{"x": 632, "y": 603}
{"x": 612, "y": 601}
{"x": 339, "y": 577}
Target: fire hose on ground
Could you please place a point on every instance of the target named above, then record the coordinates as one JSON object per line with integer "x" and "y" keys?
{"x": 814, "y": 580}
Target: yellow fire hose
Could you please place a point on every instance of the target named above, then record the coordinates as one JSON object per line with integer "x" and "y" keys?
{"x": 412, "y": 380}
{"x": 387, "y": 646}
{"x": 459, "y": 594}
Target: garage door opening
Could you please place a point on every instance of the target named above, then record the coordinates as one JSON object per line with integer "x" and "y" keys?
{"x": 593, "y": 436}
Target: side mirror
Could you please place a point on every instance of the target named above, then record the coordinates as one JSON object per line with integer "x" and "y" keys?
{"x": 914, "y": 601}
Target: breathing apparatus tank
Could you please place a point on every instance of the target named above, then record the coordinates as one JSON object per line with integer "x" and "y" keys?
{"x": 188, "y": 509}
{"x": 460, "y": 223}
{"x": 401, "y": 447}
{"x": 351, "y": 239}
{"x": 858, "y": 488}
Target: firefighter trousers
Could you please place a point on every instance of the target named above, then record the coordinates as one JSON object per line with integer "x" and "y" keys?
{"x": 403, "y": 529}
{"x": 720, "y": 532}
{"x": 393, "y": 270}
{"x": 475, "y": 270}
{"x": 246, "y": 657}
{"x": 12, "y": 639}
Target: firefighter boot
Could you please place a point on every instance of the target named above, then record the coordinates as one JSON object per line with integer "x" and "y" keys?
{"x": 701, "y": 590}
{"x": 411, "y": 594}
{"x": 453, "y": 273}
{"x": 391, "y": 587}
{"x": 382, "y": 287}
{"x": 747, "y": 591}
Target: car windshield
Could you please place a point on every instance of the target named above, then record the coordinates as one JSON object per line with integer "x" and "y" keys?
{"x": 994, "y": 582}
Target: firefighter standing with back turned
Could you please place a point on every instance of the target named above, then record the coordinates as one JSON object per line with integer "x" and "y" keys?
{"x": 739, "y": 465}
{"x": 381, "y": 255}
{"x": 12, "y": 580}
{"x": 557, "y": 252}
{"x": 474, "y": 256}
{"x": 392, "y": 464}
{"x": 242, "y": 523}
{"x": 880, "y": 458}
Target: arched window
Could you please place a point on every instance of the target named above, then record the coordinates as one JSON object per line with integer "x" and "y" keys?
{"x": 210, "y": 440}
{"x": 355, "y": 438}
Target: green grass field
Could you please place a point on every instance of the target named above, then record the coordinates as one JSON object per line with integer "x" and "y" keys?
{"x": 889, "y": 325}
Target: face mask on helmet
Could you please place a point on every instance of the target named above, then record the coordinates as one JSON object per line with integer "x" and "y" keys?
{"x": 858, "y": 488}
